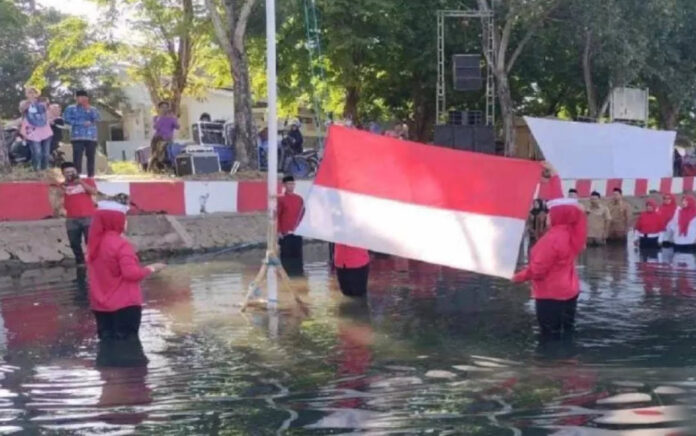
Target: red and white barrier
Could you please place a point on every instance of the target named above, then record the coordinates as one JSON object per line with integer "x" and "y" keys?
{"x": 23, "y": 201}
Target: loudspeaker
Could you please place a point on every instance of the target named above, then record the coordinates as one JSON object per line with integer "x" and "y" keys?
{"x": 197, "y": 163}
{"x": 470, "y": 138}
{"x": 466, "y": 72}
{"x": 470, "y": 118}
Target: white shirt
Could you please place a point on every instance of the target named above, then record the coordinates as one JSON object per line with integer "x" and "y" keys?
{"x": 672, "y": 232}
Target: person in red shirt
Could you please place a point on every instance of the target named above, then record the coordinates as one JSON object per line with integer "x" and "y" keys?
{"x": 352, "y": 269}
{"x": 79, "y": 207}
{"x": 551, "y": 269}
{"x": 290, "y": 209}
{"x": 648, "y": 227}
{"x": 115, "y": 274}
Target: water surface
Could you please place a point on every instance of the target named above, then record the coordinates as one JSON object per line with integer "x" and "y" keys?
{"x": 431, "y": 351}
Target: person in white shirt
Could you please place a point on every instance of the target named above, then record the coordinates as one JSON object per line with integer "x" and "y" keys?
{"x": 682, "y": 226}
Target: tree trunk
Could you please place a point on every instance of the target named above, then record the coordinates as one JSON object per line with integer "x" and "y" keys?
{"x": 587, "y": 75}
{"x": 243, "y": 120}
{"x": 423, "y": 118}
{"x": 4, "y": 155}
{"x": 230, "y": 31}
{"x": 669, "y": 112}
{"x": 350, "y": 111}
{"x": 507, "y": 112}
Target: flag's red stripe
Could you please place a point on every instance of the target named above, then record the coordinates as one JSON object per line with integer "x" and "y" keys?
{"x": 688, "y": 184}
{"x": 379, "y": 166}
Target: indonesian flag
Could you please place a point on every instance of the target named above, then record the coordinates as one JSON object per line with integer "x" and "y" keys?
{"x": 442, "y": 206}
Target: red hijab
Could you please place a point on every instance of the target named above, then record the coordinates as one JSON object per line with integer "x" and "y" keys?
{"x": 570, "y": 216}
{"x": 650, "y": 221}
{"x": 687, "y": 214}
{"x": 667, "y": 210}
{"x": 103, "y": 223}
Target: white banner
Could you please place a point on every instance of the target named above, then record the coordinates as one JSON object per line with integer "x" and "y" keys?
{"x": 604, "y": 151}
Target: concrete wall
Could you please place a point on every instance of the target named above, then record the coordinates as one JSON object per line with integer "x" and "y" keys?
{"x": 36, "y": 243}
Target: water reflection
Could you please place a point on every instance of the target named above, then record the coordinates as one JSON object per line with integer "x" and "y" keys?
{"x": 430, "y": 350}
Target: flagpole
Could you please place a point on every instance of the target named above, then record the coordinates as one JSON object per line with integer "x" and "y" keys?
{"x": 271, "y": 278}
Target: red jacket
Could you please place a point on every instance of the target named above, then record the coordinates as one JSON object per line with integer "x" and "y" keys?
{"x": 350, "y": 257}
{"x": 552, "y": 267}
{"x": 290, "y": 208}
{"x": 115, "y": 275}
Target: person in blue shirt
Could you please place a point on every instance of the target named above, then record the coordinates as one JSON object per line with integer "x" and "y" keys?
{"x": 82, "y": 119}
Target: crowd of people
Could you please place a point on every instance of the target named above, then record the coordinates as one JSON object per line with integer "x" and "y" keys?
{"x": 41, "y": 125}
{"x": 662, "y": 223}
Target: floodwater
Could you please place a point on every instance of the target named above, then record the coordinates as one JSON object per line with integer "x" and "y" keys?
{"x": 432, "y": 351}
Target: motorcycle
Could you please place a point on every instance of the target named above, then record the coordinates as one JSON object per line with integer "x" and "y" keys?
{"x": 18, "y": 150}
{"x": 300, "y": 165}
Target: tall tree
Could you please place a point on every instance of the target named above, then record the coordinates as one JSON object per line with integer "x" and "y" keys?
{"x": 16, "y": 62}
{"x": 524, "y": 16}
{"x": 71, "y": 56}
{"x": 671, "y": 62}
{"x": 230, "y": 19}
{"x": 165, "y": 66}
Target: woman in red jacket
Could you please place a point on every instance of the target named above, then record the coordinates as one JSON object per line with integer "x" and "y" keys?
{"x": 352, "y": 269}
{"x": 551, "y": 269}
{"x": 648, "y": 227}
{"x": 114, "y": 274}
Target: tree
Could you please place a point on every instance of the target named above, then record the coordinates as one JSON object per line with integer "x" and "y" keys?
{"x": 612, "y": 44}
{"x": 671, "y": 61}
{"x": 518, "y": 14}
{"x": 16, "y": 63}
{"x": 230, "y": 19}
{"x": 72, "y": 56}
{"x": 164, "y": 56}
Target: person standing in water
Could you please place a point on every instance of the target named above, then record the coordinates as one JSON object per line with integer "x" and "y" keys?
{"x": 682, "y": 227}
{"x": 536, "y": 222}
{"x": 598, "y": 220}
{"x": 648, "y": 227}
{"x": 352, "y": 269}
{"x": 551, "y": 269}
{"x": 290, "y": 209}
{"x": 114, "y": 274}
{"x": 667, "y": 211}
{"x": 620, "y": 217}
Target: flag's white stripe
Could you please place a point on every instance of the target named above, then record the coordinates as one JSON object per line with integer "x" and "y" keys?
{"x": 482, "y": 243}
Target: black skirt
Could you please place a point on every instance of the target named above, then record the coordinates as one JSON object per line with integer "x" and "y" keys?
{"x": 291, "y": 254}
{"x": 687, "y": 248}
{"x": 647, "y": 243}
{"x": 120, "y": 324}
{"x": 353, "y": 281}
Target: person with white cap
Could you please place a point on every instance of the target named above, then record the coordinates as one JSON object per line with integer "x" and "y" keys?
{"x": 551, "y": 269}
{"x": 115, "y": 274}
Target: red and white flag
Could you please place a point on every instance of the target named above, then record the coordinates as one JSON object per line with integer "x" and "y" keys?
{"x": 448, "y": 207}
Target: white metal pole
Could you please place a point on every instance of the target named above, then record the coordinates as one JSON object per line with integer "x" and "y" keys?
{"x": 272, "y": 145}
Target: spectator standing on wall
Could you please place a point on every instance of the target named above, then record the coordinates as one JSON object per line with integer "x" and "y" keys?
{"x": 35, "y": 128}
{"x": 83, "y": 118}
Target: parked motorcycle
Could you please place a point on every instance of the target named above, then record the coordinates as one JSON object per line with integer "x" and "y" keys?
{"x": 17, "y": 149}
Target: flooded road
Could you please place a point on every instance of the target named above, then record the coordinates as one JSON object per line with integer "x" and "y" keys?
{"x": 432, "y": 351}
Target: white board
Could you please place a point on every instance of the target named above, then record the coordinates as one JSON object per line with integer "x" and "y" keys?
{"x": 604, "y": 151}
